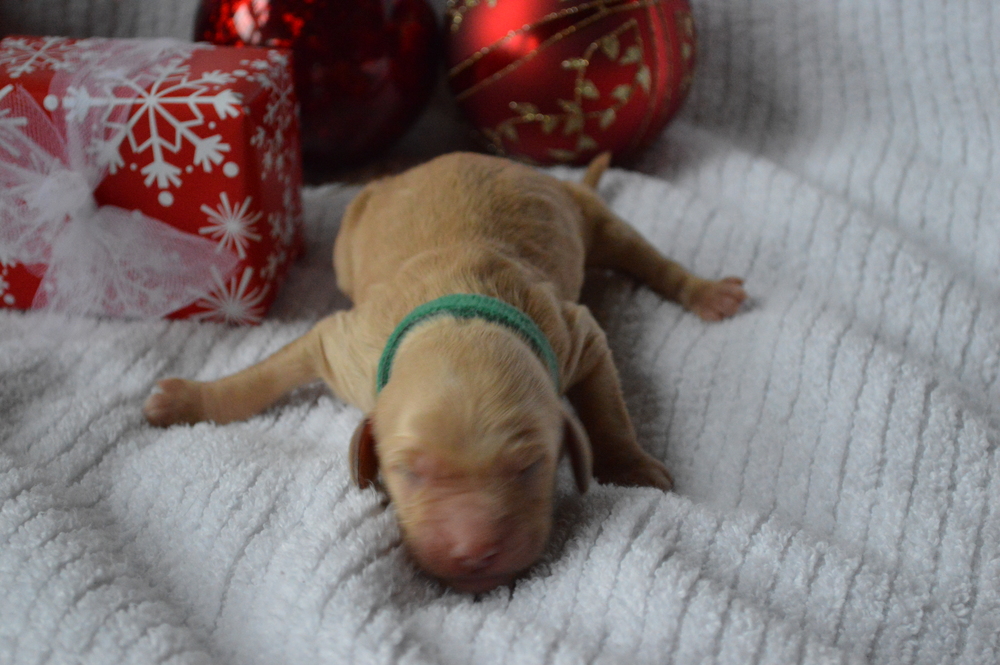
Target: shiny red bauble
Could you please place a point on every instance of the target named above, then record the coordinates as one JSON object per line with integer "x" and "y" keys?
{"x": 364, "y": 69}
{"x": 558, "y": 81}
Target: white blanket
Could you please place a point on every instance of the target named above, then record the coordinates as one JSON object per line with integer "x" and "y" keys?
{"x": 834, "y": 445}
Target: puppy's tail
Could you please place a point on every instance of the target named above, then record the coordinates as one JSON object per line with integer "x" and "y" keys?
{"x": 596, "y": 169}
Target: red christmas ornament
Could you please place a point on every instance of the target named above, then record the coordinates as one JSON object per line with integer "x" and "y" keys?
{"x": 364, "y": 69}
{"x": 558, "y": 81}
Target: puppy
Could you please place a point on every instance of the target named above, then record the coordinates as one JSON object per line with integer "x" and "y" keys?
{"x": 482, "y": 260}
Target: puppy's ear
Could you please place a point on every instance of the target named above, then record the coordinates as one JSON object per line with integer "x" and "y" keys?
{"x": 364, "y": 461}
{"x": 577, "y": 444}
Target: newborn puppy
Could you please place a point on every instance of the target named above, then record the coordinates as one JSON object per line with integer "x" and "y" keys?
{"x": 464, "y": 336}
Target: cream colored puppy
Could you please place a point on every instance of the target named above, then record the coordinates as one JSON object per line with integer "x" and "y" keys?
{"x": 464, "y": 273}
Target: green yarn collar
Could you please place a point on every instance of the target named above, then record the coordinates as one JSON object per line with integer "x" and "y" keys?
{"x": 469, "y": 306}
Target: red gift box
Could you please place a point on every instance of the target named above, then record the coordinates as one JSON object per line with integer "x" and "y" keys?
{"x": 147, "y": 178}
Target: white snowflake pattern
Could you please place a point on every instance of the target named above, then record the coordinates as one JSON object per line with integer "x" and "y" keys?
{"x": 292, "y": 205}
{"x": 170, "y": 106}
{"x": 274, "y": 261}
{"x": 282, "y": 227}
{"x": 7, "y": 296}
{"x": 233, "y": 301}
{"x": 289, "y": 198}
{"x": 11, "y": 126}
{"x": 272, "y": 137}
{"x": 23, "y": 56}
{"x": 4, "y": 286}
{"x": 231, "y": 225}
{"x": 271, "y": 150}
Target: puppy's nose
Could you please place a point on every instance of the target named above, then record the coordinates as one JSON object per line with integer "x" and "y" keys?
{"x": 473, "y": 556}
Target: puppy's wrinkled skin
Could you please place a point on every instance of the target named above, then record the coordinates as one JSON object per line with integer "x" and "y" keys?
{"x": 467, "y": 434}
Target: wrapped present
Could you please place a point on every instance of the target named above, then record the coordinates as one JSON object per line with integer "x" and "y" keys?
{"x": 146, "y": 178}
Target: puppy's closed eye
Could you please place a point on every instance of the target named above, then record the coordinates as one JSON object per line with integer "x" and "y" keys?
{"x": 408, "y": 474}
{"x": 530, "y": 472}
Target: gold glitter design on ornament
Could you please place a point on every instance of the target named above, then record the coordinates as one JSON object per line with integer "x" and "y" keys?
{"x": 656, "y": 105}
{"x": 605, "y": 8}
{"x": 573, "y": 118}
{"x": 689, "y": 48}
{"x": 455, "y": 10}
{"x": 656, "y": 112}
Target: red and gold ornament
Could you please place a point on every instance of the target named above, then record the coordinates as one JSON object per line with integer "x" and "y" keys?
{"x": 558, "y": 81}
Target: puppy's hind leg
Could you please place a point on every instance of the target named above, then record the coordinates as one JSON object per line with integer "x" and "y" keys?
{"x": 614, "y": 244}
{"x": 241, "y": 395}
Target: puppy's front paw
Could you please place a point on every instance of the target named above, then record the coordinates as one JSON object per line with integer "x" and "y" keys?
{"x": 646, "y": 471}
{"x": 174, "y": 401}
{"x": 715, "y": 300}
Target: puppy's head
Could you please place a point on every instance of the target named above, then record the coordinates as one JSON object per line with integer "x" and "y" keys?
{"x": 467, "y": 435}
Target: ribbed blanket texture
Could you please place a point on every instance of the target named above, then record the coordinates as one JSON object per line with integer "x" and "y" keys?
{"x": 834, "y": 445}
